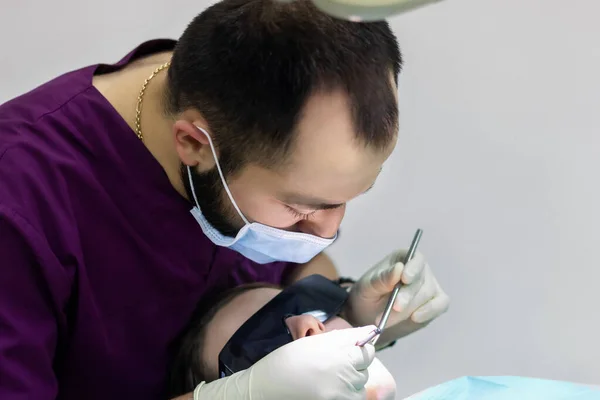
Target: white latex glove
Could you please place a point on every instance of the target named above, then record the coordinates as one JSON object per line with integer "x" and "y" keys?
{"x": 322, "y": 367}
{"x": 381, "y": 384}
{"x": 420, "y": 300}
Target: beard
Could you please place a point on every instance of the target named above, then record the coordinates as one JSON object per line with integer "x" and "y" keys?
{"x": 212, "y": 199}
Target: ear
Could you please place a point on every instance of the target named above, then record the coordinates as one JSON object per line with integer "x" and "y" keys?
{"x": 193, "y": 145}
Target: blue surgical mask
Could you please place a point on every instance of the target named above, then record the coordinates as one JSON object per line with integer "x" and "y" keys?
{"x": 255, "y": 241}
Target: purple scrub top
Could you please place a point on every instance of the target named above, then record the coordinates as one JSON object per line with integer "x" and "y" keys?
{"x": 101, "y": 262}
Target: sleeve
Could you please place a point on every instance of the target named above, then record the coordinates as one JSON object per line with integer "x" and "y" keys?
{"x": 286, "y": 273}
{"x": 321, "y": 265}
{"x": 283, "y": 272}
{"x": 28, "y": 327}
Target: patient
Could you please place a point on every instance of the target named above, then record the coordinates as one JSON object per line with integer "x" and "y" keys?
{"x": 198, "y": 356}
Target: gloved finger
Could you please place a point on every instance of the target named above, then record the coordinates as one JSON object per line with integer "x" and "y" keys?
{"x": 411, "y": 297}
{"x": 406, "y": 294}
{"x": 389, "y": 278}
{"x": 414, "y": 268}
{"x": 360, "y": 395}
{"x": 432, "y": 309}
{"x": 384, "y": 280}
{"x": 359, "y": 392}
{"x": 361, "y": 357}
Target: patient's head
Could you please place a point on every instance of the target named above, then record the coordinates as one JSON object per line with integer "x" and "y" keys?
{"x": 198, "y": 358}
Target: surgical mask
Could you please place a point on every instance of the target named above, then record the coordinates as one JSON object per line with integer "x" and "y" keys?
{"x": 266, "y": 330}
{"x": 255, "y": 241}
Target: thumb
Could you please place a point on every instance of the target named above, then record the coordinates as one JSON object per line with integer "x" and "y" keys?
{"x": 389, "y": 278}
{"x": 362, "y": 357}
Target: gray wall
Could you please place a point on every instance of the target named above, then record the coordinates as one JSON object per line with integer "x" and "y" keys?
{"x": 497, "y": 162}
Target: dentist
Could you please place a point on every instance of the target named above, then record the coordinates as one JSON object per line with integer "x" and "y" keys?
{"x": 130, "y": 191}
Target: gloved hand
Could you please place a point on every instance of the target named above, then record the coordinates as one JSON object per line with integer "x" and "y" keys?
{"x": 322, "y": 367}
{"x": 381, "y": 384}
{"x": 420, "y": 300}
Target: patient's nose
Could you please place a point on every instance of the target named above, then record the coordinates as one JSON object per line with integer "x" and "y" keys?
{"x": 304, "y": 325}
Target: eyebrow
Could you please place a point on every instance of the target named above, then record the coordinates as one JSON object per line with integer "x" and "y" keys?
{"x": 314, "y": 203}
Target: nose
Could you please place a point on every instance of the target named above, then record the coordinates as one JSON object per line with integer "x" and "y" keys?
{"x": 304, "y": 325}
{"x": 324, "y": 223}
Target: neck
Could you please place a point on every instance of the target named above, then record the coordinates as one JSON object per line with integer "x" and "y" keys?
{"x": 156, "y": 127}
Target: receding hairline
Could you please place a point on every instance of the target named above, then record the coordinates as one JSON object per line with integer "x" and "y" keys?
{"x": 293, "y": 48}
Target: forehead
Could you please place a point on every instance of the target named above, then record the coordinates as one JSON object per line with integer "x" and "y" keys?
{"x": 327, "y": 160}
{"x": 327, "y": 148}
{"x": 327, "y": 163}
{"x": 239, "y": 309}
{"x": 230, "y": 318}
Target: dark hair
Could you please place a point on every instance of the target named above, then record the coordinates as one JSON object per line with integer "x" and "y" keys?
{"x": 188, "y": 369}
{"x": 249, "y": 66}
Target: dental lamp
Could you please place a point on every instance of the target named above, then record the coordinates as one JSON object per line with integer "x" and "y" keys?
{"x": 367, "y": 10}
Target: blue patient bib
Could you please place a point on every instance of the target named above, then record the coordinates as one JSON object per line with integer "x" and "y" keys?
{"x": 506, "y": 388}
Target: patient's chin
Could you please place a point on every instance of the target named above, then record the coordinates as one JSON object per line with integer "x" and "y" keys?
{"x": 381, "y": 393}
{"x": 336, "y": 323}
{"x": 381, "y": 384}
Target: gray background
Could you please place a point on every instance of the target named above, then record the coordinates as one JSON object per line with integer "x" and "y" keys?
{"x": 497, "y": 162}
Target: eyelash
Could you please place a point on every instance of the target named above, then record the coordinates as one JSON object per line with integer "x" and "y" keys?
{"x": 299, "y": 214}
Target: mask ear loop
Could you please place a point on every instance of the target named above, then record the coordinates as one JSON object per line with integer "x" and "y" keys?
{"x": 192, "y": 186}
{"x": 212, "y": 148}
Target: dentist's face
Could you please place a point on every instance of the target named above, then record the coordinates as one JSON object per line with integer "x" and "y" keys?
{"x": 327, "y": 169}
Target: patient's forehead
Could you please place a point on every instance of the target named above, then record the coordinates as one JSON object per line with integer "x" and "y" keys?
{"x": 229, "y": 319}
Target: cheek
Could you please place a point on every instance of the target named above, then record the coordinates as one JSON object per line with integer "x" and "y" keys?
{"x": 271, "y": 213}
{"x": 336, "y": 323}
{"x": 372, "y": 394}
{"x": 262, "y": 208}
{"x": 253, "y": 192}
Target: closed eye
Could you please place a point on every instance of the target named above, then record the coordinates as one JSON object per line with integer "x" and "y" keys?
{"x": 297, "y": 214}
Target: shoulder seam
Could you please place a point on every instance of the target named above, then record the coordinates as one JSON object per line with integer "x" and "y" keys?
{"x": 16, "y": 214}
{"x": 60, "y": 106}
{"x": 5, "y": 150}
{"x": 31, "y": 233}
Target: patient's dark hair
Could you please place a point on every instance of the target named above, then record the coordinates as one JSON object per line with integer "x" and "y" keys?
{"x": 249, "y": 67}
{"x": 188, "y": 368}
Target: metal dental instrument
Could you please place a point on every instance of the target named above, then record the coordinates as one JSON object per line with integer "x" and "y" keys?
{"x": 374, "y": 335}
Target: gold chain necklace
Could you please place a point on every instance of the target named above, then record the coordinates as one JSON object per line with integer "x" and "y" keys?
{"x": 138, "y": 108}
